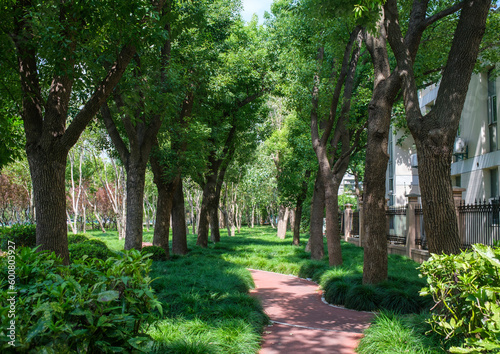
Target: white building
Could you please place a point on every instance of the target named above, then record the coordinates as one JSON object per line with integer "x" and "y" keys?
{"x": 477, "y": 157}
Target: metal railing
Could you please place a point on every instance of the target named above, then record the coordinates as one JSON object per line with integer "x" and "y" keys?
{"x": 396, "y": 233}
{"x": 479, "y": 222}
{"x": 420, "y": 239}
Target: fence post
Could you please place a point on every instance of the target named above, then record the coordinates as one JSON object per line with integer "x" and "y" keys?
{"x": 411, "y": 222}
{"x": 347, "y": 221}
{"x": 361, "y": 222}
{"x": 457, "y": 199}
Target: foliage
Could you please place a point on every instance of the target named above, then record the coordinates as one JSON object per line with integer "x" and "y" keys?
{"x": 92, "y": 248}
{"x": 77, "y": 238}
{"x": 466, "y": 290}
{"x": 88, "y": 306}
{"x": 156, "y": 253}
{"x": 21, "y": 235}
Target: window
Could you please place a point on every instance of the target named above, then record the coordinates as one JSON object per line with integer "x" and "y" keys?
{"x": 494, "y": 183}
{"x": 492, "y": 98}
{"x": 492, "y": 111}
{"x": 458, "y": 181}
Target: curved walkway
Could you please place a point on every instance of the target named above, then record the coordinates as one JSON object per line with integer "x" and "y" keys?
{"x": 302, "y": 322}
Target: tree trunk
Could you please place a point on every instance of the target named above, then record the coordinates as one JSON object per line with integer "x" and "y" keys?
{"x": 291, "y": 218}
{"x": 296, "y": 225}
{"x": 386, "y": 86}
{"x": 434, "y": 165}
{"x": 298, "y": 209}
{"x": 179, "y": 235}
{"x": 375, "y": 251}
{"x": 162, "y": 222}
{"x": 49, "y": 188}
{"x": 206, "y": 204}
{"x": 316, "y": 222}
{"x": 332, "y": 218}
{"x": 282, "y": 221}
{"x": 135, "y": 198}
{"x": 214, "y": 220}
{"x": 164, "y": 203}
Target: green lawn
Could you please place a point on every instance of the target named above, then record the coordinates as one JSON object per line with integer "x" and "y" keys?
{"x": 208, "y": 308}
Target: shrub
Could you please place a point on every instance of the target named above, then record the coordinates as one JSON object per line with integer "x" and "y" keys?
{"x": 90, "y": 248}
{"x": 157, "y": 253}
{"x": 78, "y": 238}
{"x": 466, "y": 291}
{"x": 21, "y": 235}
{"x": 90, "y": 306}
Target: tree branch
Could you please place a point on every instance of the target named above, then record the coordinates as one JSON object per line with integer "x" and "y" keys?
{"x": 100, "y": 95}
{"x": 436, "y": 17}
{"x": 114, "y": 135}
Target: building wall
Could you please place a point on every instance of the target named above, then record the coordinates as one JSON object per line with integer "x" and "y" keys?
{"x": 400, "y": 165}
{"x": 479, "y": 171}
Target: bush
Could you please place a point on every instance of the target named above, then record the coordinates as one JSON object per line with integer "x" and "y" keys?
{"x": 157, "y": 253}
{"x": 466, "y": 290}
{"x": 90, "y": 248}
{"x": 78, "y": 238}
{"x": 90, "y": 306}
{"x": 21, "y": 235}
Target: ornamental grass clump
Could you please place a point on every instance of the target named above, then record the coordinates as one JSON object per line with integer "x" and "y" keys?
{"x": 466, "y": 291}
{"x": 90, "y": 306}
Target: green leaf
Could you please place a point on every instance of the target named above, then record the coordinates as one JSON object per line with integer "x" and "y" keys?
{"x": 40, "y": 327}
{"x": 487, "y": 253}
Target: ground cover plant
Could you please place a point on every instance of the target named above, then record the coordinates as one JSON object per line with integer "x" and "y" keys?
{"x": 466, "y": 289}
{"x": 204, "y": 293}
{"x": 90, "y": 306}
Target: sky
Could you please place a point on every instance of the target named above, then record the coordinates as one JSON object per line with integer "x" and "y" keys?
{"x": 255, "y": 6}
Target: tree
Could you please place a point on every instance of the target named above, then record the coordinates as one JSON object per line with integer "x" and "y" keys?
{"x": 435, "y": 132}
{"x": 56, "y": 44}
{"x": 231, "y": 110}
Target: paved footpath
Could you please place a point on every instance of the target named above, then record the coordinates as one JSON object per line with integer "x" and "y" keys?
{"x": 302, "y": 322}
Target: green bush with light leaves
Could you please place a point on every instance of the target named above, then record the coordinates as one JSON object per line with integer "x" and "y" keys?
{"x": 90, "y": 306}
{"x": 466, "y": 290}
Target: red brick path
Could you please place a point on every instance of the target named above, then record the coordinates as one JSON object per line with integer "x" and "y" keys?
{"x": 303, "y": 323}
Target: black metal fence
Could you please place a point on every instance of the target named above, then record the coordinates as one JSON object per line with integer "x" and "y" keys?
{"x": 396, "y": 233}
{"x": 420, "y": 239}
{"x": 355, "y": 224}
{"x": 479, "y": 222}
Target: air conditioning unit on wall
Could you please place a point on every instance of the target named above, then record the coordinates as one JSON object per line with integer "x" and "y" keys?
{"x": 460, "y": 148}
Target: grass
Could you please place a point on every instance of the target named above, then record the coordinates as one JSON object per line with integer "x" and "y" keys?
{"x": 208, "y": 308}
{"x": 393, "y": 334}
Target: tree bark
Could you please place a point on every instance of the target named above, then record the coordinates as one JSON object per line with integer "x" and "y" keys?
{"x": 207, "y": 201}
{"x": 316, "y": 223}
{"x": 48, "y": 178}
{"x": 179, "y": 235}
{"x": 298, "y": 209}
{"x": 136, "y": 177}
{"x": 282, "y": 221}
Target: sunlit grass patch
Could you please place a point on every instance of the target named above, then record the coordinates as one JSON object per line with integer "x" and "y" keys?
{"x": 393, "y": 334}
